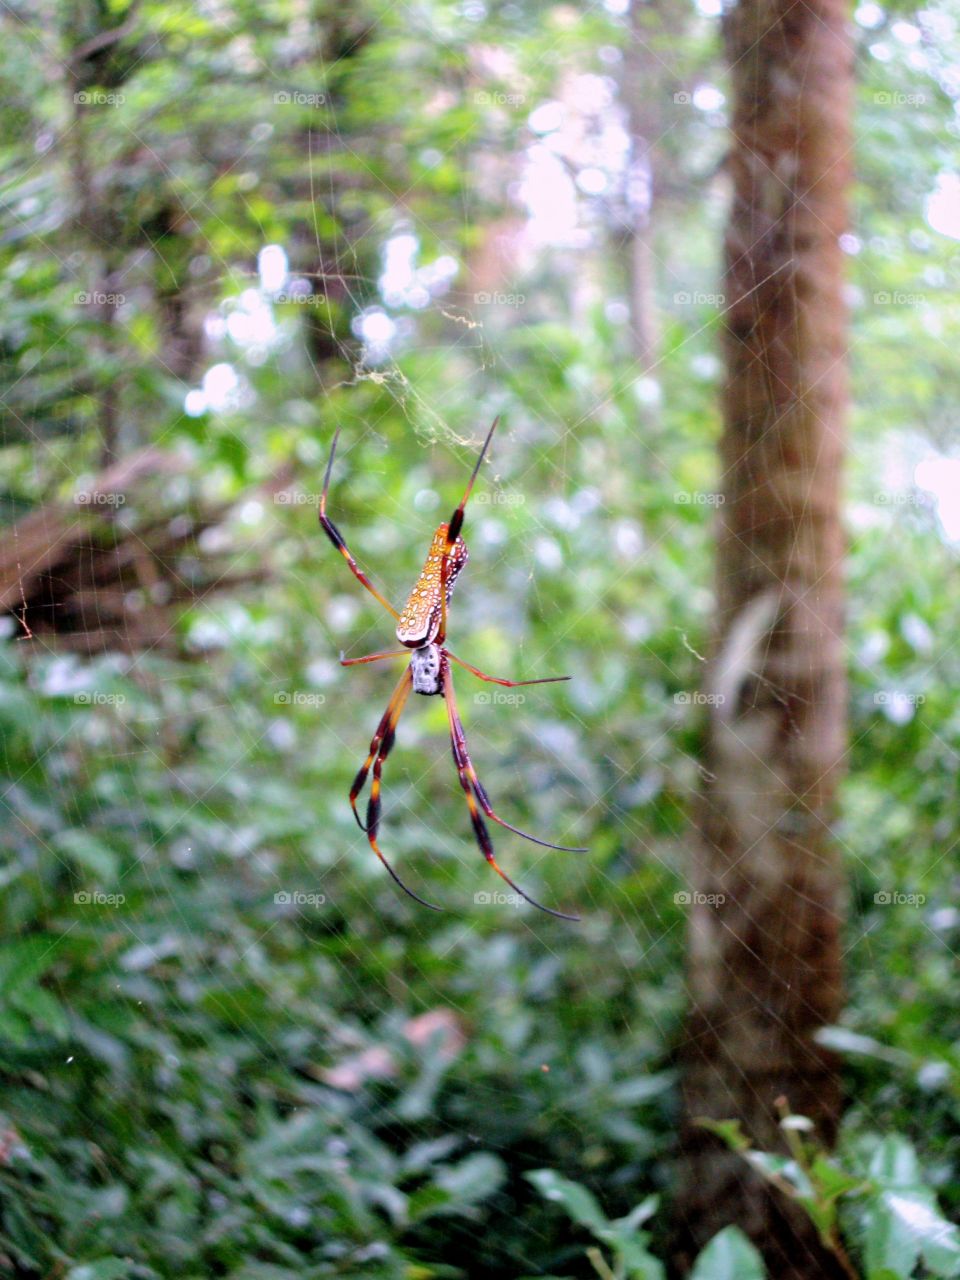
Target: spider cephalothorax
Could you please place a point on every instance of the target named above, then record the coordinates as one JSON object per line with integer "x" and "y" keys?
{"x": 422, "y": 630}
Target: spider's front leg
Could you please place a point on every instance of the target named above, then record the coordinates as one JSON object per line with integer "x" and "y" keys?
{"x": 474, "y": 792}
{"x": 337, "y": 538}
{"x": 454, "y": 525}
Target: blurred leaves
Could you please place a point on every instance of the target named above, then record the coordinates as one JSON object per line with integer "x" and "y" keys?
{"x": 729, "y": 1256}
{"x": 212, "y": 1000}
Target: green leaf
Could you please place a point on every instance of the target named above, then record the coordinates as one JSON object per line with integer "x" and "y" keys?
{"x": 43, "y": 1010}
{"x": 87, "y": 852}
{"x": 23, "y": 961}
{"x": 638, "y": 1262}
{"x": 729, "y": 1256}
{"x": 427, "y": 1201}
{"x": 13, "y": 1027}
{"x": 917, "y": 1218}
{"x": 630, "y": 1243}
{"x": 579, "y": 1203}
{"x": 832, "y": 1181}
{"x": 475, "y": 1178}
{"x": 903, "y": 1221}
{"x": 776, "y": 1166}
{"x": 638, "y": 1214}
{"x": 894, "y": 1163}
{"x": 111, "y": 1268}
{"x": 886, "y": 1248}
{"x": 843, "y": 1040}
{"x": 728, "y": 1130}
{"x": 643, "y": 1088}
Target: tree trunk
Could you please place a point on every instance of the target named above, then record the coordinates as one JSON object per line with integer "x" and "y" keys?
{"x": 764, "y": 964}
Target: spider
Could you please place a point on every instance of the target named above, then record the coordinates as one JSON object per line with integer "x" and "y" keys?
{"x": 422, "y": 630}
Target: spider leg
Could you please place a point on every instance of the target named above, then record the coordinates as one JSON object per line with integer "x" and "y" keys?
{"x": 453, "y": 532}
{"x": 336, "y": 537}
{"x": 511, "y": 684}
{"x": 373, "y": 657}
{"x": 471, "y": 784}
{"x": 384, "y": 739}
{"x": 478, "y": 787}
{"x": 389, "y": 717}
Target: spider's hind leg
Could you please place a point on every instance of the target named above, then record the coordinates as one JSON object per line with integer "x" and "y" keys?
{"x": 456, "y": 729}
{"x": 380, "y": 748}
{"x": 389, "y": 717}
{"x": 510, "y": 684}
{"x": 471, "y": 785}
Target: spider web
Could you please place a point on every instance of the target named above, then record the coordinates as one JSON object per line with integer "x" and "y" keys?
{"x": 523, "y": 552}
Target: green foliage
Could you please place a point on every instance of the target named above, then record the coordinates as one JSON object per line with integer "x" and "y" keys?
{"x": 900, "y": 1220}
{"x": 728, "y": 1256}
{"x": 623, "y": 1236}
{"x": 227, "y": 1045}
{"x": 875, "y": 1187}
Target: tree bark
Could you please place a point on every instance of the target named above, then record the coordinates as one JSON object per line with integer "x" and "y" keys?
{"x": 764, "y": 964}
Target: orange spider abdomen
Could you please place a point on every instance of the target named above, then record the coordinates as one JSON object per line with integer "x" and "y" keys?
{"x": 420, "y": 616}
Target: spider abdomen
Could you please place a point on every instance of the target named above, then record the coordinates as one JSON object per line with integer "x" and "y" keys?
{"x": 420, "y": 618}
{"x": 425, "y": 668}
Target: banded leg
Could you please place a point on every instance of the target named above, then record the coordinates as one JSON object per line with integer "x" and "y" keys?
{"x": 388, "y": 722}
{"x": 453, "y": 532}
{"x": 387, "y": 738}
{"x": 474, "y": 792}
{"x": 336, "y": 537}
{"x": 510, "y": 684}
{"x": 456, "y": 728}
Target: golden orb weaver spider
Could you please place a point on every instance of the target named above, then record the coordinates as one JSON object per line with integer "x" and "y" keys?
{"x": 422, "y": 630}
